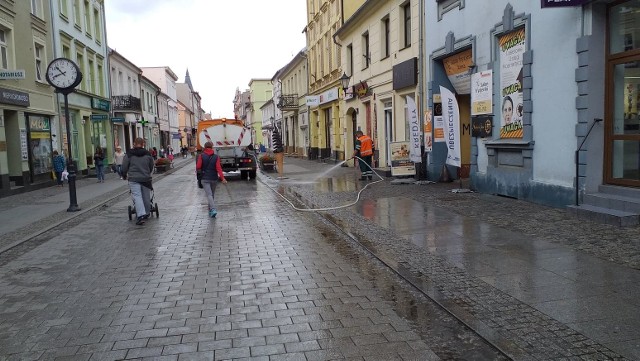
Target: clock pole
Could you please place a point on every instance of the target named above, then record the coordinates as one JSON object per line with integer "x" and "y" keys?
{"x": 71, "y": 165}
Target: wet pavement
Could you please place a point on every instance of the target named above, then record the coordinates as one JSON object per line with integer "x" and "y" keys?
{"x": 261, "y": 282}
{"x": 266, "y": 282}
{"x": 533, "y": 280}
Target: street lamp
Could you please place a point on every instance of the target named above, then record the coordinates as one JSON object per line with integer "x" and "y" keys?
{"x": 344, "y": 81}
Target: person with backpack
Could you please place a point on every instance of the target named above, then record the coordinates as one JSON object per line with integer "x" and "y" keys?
{"x": 208, "y": 164}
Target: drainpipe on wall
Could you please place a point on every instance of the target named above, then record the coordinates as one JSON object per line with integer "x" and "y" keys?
{"x": 421, "y": 169}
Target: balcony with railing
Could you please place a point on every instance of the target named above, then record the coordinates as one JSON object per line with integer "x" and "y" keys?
{"x": 288, "y": 102}
{"x": 125, "y": 102}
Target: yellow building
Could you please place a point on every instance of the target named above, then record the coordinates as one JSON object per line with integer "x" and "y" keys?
{"x": 327, "y": 131}
{"x": 380, "y": 53}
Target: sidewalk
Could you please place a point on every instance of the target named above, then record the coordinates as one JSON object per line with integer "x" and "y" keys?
{"x": 36, "y": 211}
{"x": 531, "y": 279}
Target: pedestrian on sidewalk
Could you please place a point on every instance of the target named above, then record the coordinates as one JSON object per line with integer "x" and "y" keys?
{"x": 364, "y": 151}
{"x": 98, "y": 161}
{"x": 118, "y": 156}
{"x": 209, "y": 164}
{"x": 58, "y": 167}
{"x": 137, "y": 167}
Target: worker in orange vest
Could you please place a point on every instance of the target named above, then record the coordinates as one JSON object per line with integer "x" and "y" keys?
{"x": 364, "y": 152}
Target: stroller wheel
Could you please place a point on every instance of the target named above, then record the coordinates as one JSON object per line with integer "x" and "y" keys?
{"x": 131, "y": 211}
{"x": 155, "y": 208}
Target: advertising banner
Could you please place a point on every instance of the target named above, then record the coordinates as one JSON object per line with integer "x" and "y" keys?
{"x": 428, "y": 131}
{"x": 438, "y": 134}
{"x": 512, "y": 48}
{"x": 415, "y": 131}
{"x": 481, "y": 92}
{"x": 401, "y": 165}
{"x": 457, "y": 68}
{"x": 451, "y": 116}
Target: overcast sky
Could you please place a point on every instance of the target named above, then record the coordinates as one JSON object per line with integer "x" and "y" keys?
{"x": 224, "y": 44}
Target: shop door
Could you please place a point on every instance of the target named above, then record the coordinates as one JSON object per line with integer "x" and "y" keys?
{"x": 622, "y": 123}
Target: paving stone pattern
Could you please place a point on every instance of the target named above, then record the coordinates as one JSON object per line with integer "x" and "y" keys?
{"x": 519, "y": 329}
{"x": 187, "y": 287}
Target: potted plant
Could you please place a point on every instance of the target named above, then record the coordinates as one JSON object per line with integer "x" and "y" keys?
{"x": 162, "y": 164}
{"x": 266, "y": 161}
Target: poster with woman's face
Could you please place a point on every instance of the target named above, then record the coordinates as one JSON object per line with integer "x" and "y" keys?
{"x": 512, "y": 47}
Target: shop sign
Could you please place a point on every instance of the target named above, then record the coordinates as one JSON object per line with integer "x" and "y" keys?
{"x": 481, "y": 127}
{"x": 401, "y": 165}
{"x": 99, "y": 117}
{"x": 481, "y": 92}
{"x": 560, "y": 3}
{"x": 405, "y": 74}
{"x": 12, "y": 74}
{"x": 39, "y": 123}
{"x": 457, "y": 68}
{"x": 329, "y": 96}
{"x": 117, "y": 120}
{"x": 100, "y": 104}
{"x": 9, "y": 96}
{"x": 176, "y": 136}
{"x": 362, "y": 89}
{"x": 312, "y": 100}
{"x": 348, "y": 93}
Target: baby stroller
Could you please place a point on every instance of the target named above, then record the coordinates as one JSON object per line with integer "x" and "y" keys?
{"x": 154, "y": 207}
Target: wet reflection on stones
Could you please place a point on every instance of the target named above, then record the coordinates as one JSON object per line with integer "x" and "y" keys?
{"x": 444, "y": 334}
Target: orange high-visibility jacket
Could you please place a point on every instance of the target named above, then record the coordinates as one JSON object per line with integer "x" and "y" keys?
{"x": 366, "y": 146}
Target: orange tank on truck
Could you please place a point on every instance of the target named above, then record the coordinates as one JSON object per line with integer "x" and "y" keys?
{"x": 231, "y": 140}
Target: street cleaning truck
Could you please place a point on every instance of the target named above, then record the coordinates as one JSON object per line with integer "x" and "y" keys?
{"x": 231, "y": 142}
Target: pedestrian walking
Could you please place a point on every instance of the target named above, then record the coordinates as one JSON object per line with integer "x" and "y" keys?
{"x": 209, "y": 164}
{"x": 137, "y": 167}
{"x": 98, "y": 161}
{"x": 59, "y": 165}
{"x": 118, "y": 156}
{"x": 364, "y": 151}
{"x": 154, "y": 153}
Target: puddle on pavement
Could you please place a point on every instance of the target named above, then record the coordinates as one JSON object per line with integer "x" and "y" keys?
{"x": 445, "y": 335}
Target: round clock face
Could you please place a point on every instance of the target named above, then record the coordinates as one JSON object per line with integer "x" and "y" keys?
{"x": 63, "y": 73}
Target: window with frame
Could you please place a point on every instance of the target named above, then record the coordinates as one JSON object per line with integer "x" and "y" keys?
{"x": 4, "y": 49}
{"x": 97, "y": 25}
{"x": 38, "y": 50}
{"x": 80, "y": 61}
{"x": 386, "y": 31}
{"x": 76, "y": 13}
{"x": 100, "y": 78}
{"x": 63, "y": 6}
{"x": 445, "y": 6}
{"x": 66, "y": 51}
{"x": 87, "y": 18}
{"x": 350, "y": 59}
{"x": 92, "y": 77}
{"x": 36, "y": 8}
{"x": 406, "y": 25}
{"x": 365, "y": 50}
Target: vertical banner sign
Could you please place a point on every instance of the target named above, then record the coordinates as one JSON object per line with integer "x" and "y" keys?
{"x": 512, "y": 48}
{"x": 481, "y": 93}
{"x": 457, "y": 68}
{"x": 415, "y": 134}
{"x": 451, "y": 116}
{"x": 428, "y": 131}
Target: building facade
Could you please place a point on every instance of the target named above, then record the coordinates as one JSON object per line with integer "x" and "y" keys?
{"x": 380, "y": 54}
{"x": 79, "y": 34}
{"x": 292, "y": 103}
{"x": 166, "y": 79}
{"x": 532, "y": 111}
{"x": 29, "y": 126}
{"x": 149, "y": 120}
{"x": 125, "y": 101}
{"x": 260, "y": 91}
{"x": 327, "y": 131}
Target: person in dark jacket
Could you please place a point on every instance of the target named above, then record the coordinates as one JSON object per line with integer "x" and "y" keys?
{"x": 209, "y": 164}
{"x": 98, "y": 160}
{"x": 137, "y": 167}
{"x": 59, "y": 165}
